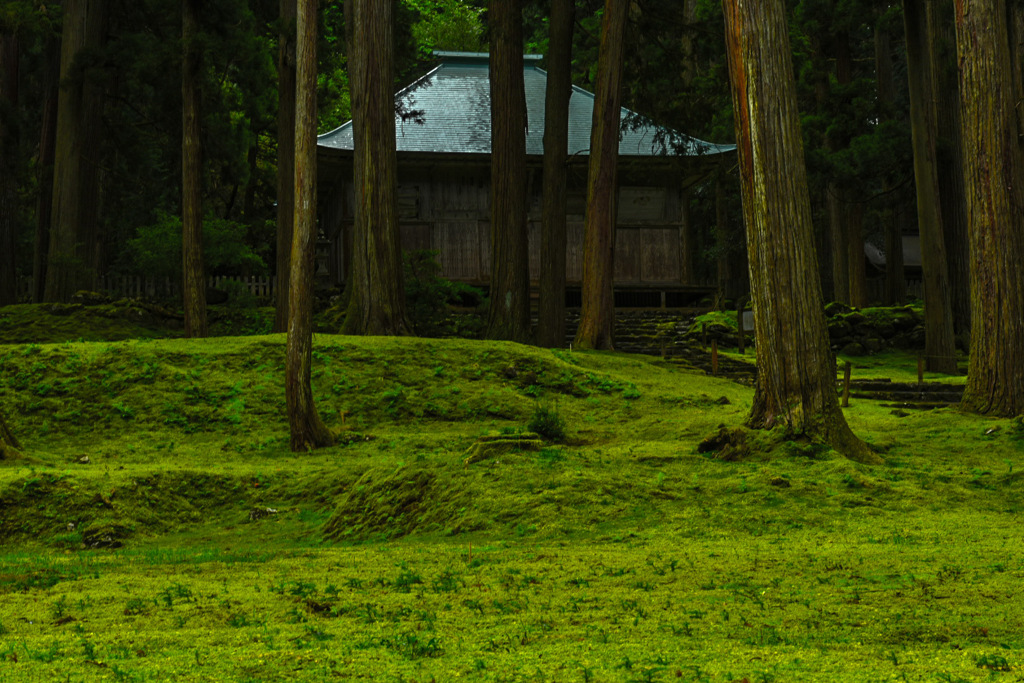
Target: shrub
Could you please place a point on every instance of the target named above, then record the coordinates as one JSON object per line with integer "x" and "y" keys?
{"x": 548, "y": 423}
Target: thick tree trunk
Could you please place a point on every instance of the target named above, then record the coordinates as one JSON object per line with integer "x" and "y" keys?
{"x": 376, "y": 292}
{"x": 509, "y": 313}
{"x": 993, "y": 177}
{"x": 723, "y": 272}
{"x": 688, "y": 245}
{"x": 940, "y": 344}
{"x": 285, "y": 159}
{"x": 8, "y": 180}
{"x": 193, "y": 285}
{"x": 796, "y": 372}
{"x": 73, "y": 233}
{"x": 895, "y": 280}
{"x": 950, "y": 167}
{"x": 839, "y": 242}
{"x": 551, "y": 316}
{"x": 855, "y": 255}
{"x": 597, "y": 315}
{"x": 305, "y": 426}
{"x": 9, "y": 445}
{"x": 47, "y": 143}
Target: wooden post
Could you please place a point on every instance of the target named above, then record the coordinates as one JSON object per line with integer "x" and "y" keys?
{"x": 714, "y": 356}
{"x": 704, "y": 335}
{"x": 740, "y": 332}
{"x": 847, "y": 370}
{"x": 920, "y": 371}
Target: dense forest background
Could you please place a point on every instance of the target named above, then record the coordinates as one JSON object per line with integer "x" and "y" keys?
{"x": 849, "y": 57}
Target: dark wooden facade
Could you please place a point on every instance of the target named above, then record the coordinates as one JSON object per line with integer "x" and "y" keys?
{"x": 443, "y": 205}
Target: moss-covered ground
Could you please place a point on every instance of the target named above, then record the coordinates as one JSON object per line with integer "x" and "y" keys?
{"x": 157, "y": 528}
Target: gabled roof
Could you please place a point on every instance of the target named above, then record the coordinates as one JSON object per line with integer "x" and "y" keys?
{"x": 449, "y": 111}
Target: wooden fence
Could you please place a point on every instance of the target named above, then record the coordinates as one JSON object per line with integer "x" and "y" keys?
{"x": 135, "y": 287}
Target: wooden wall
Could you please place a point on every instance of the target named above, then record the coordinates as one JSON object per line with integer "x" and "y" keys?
{"x": 447, "y": 209}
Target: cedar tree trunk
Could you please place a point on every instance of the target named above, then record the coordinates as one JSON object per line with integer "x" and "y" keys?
{"x": 895, "y": 280}
{"x": 940, "y": 344}
{"x": 306, "y": 428}
{"x": 796, "y": 372}
{"x": 285, "y": 159}
{"x": 47, "y": 143}
{"x": 993, "y": 174}
{"x": 9, "y": 445}
{"x": 73, "y": 230}
{"x": 8, "y": 156}
{"x": 551, "y": 317}
{"x": 509, "y": 313}
{"x": 193, "y": 286}
{"x": 951, "y": 163}
{"x": 597, "y": 314}
{"x": 376, "y": 304}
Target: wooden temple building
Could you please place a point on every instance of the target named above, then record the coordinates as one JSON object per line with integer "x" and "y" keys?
{"x": 444, "y": 168}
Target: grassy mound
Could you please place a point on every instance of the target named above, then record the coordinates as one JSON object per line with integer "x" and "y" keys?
{"x": 158, "y": 527}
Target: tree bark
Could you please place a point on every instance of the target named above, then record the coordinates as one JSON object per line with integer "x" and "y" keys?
{"x": 47, "y": 144}
{"x": 509, "y": 313}
{"x": 895, "y": 280}
{"x": 551, "y": 316}
{"x": 940, "y": 344}
{"x": 950, "y": 159}
{"x": 9, "y": 445}
{"x": 597, "y": 315}
{"x": 73, "y": 233}
{"x": 285, "y": 159}
{"x": 376, "y": 303}
{"x": 306, "y": 428}
{"x": 838, "y": 240}
{"x": 796, "y": 372}
{"x": 193, "y": 285}
{"x": 8, "y": 178}
{"x": 855, "y": 254}
{"x": 993, "y": 175}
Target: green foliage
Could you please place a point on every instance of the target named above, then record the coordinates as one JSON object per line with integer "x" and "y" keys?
{"x": 156, "y": 249}
{"x": 547, "y": 422}
{"x": 429, "y": 298}
{"x": 452, "y": 25}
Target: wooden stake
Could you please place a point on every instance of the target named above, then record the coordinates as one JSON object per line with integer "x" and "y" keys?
{"x": 740, "y": 332}
{"x": 847, "y": 370}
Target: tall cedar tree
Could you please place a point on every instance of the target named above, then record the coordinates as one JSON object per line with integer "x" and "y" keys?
{"x": 9, "y": 445}
{"x": 940, "y": 344}
{"x": 73, "y": 234}
{"x": 509, "y": 314}
{"x": 307, "y": 429}
{"x": 285, "y": 158}
{"x": 193, "y": 286}
{"x": 551, "y": 317}
{"x": 8, "y": 156}
{"x": 895, "y": 281}
{"x": 597, "y": 315}
{"x": 950, "y": 158}
{"x": 50, "y": 81}
{"x": 796, "y": 373}
{"x": 375, "y": 286}
{"x": 993, "y": 175}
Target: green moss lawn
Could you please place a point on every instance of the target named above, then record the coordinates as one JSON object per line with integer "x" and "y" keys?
{"x": 157, "y": 527}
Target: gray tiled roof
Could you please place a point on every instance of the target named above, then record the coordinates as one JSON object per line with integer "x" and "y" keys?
{"x": 448, "y": 111}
